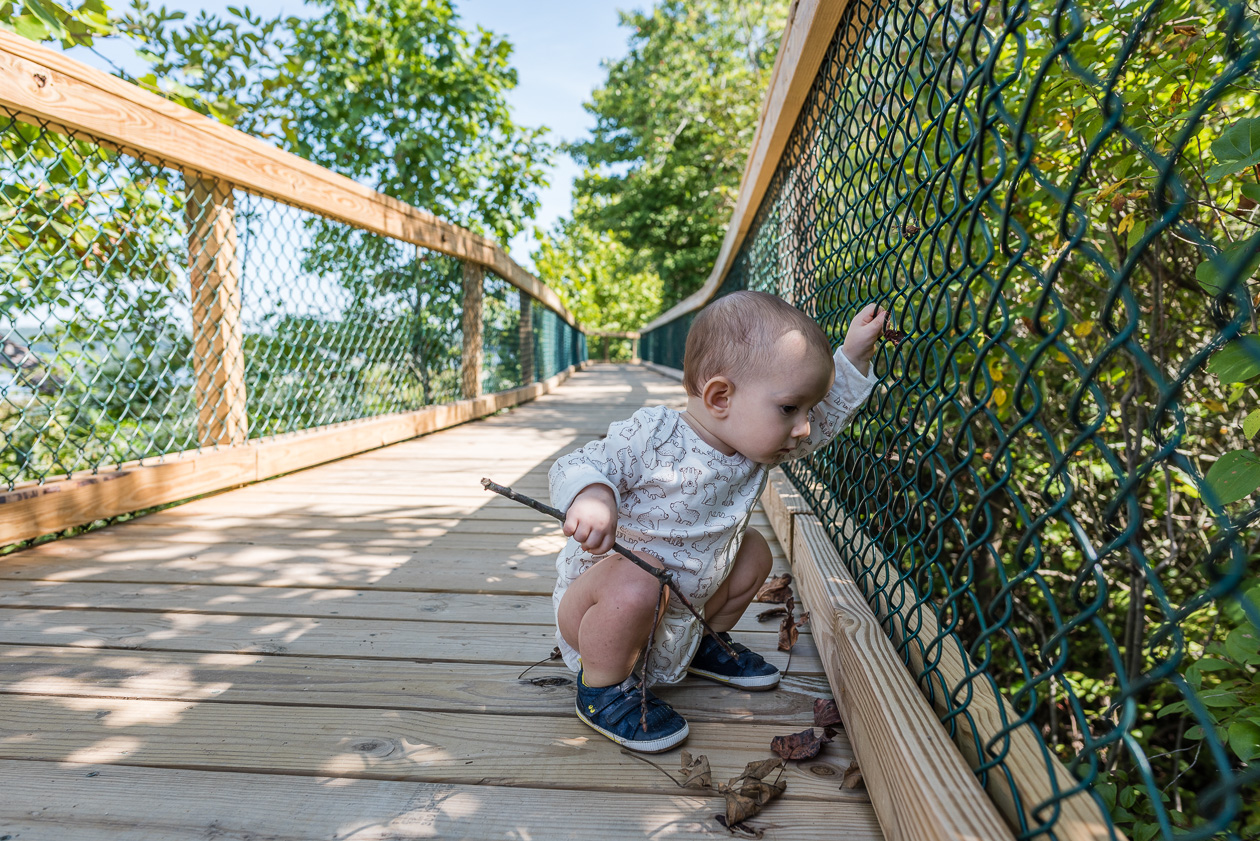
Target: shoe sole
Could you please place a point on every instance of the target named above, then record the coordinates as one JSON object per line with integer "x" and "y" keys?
{"x": 755, "y": 684}
{"x": 643, "y": 746}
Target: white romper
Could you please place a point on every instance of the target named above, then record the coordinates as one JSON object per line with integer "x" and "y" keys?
{"x": 684, "y": 502}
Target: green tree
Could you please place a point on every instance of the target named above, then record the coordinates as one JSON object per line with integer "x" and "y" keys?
{"x": 674, "y": 122}
{"x": 597, "y": 277}
{"x": 392, "y": 93}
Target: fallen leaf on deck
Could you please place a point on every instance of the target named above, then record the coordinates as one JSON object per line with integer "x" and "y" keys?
{"x": 696, "y": 773}
{"x": 852, "y": 776}
{"x": 825, "y": 712}
{"x": 740, "y": 829}
{"x": 747, "y": 794}
{"x": 788, "y": 632}
{"x": 772, "y": 613}
{"x": 802, "y": 745}
{"x": 775, "y": 589}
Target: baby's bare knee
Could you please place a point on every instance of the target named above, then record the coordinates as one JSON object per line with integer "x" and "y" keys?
{"x": 754, "y": 553}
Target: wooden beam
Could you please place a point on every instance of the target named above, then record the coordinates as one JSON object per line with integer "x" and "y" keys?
{"x": 37, "y": 510}
{"x": 525, "y": 337}
{"x": 810, "y": 28}
{"x": 44, "y": 86}
{"x": 215, "y": 294}
{"x": 1027, "y": 756}
{"x": 1080, "y": 819}
{"x": 921, "y": 788}
{"x": 471, "y": 327}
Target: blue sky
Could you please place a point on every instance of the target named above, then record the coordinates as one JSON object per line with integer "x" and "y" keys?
{"x": 559, "y": 45}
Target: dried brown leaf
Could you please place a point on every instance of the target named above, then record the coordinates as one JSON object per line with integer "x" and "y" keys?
{"x": 802, "y": 745}
{"x": 776, "y": 590}
{"x": 747, "y": 794}
{"x": 741, "y": 830}
{"x": 772, "y": 613}
{"x": 852, "y": 776}
{"x": 696, "y": 772}
{"x": 825, "y": 712}
{"x": 788, "y": 632}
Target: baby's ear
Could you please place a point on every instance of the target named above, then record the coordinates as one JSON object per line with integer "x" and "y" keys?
{"x": 716, "y": 395}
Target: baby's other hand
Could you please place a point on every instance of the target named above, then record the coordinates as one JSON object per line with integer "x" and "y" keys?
{"x": 864, "y": 332}
{"x": 592, "y": 519}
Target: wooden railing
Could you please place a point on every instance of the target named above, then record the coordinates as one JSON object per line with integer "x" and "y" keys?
{"x": 47, "y": 89}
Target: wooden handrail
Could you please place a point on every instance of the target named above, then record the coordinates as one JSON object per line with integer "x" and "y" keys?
{"x": 44, "y": 86}
{"x": 810, "y": 28}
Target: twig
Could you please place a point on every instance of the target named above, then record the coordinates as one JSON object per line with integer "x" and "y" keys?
{"x": 661, "y": 575}
{"x": 647, "y": 652}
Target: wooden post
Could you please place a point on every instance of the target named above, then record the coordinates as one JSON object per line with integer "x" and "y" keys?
{"x": 215, "y": 293}
{"x": 526, "y": 333}
{"x": 470, "y": 362}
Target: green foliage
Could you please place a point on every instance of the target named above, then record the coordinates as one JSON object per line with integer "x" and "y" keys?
{"x": 393, "y": 94}
{"x": 597, "y": 277}
{"x": 48, "y": 20}
{"x": 674, "y": 122}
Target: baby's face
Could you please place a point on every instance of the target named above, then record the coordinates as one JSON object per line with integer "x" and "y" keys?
{"x": 769, "y": 412}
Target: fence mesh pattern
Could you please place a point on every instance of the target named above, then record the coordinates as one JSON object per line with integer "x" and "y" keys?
{"x": 1048, "y": 499}
{"x": 146, "y": 312}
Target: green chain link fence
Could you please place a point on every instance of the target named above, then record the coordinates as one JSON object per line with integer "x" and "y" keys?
{"x": 119, "y": 344}
{"x": 1058, "y": 204}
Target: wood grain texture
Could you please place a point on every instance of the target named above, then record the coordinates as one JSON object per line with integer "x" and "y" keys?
{"x": 45, "y": 86}
{"x": 33, "y": 511}
{"x": 809, "y": 31}
{"x": 296, "y": 681}
{"x": 1034, "y": 771}
{"x": 321, "y": 628}
{"x": 46, "y": 801}
{"x": 921, "y": 788}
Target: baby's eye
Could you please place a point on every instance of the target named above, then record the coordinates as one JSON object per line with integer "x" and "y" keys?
{"x": 787, "y": 410}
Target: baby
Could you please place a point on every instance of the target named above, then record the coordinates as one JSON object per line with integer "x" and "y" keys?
{"x": 678, "y": 489}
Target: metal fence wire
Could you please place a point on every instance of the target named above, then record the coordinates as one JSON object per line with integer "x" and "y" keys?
{"x": 123, "y": 340}
{"x": 1058, "y": 204}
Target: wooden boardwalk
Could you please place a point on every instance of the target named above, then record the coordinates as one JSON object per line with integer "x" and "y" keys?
{"x": 335, "y": 654}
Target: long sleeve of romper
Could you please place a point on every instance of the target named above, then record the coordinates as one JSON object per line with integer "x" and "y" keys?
{"x": 616, "y": 461}
{"x": 847, "y": 394}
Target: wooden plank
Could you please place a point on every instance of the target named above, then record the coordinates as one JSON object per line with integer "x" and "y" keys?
{"x": 416, "y": 640}
{"x": 474, "y": 278}
{"x": 214, "y": 274}
{"x": 46, "y": 801}
{"x": 921, "y": 788}
{"x": 43, "y": 85}
{"x": 378, "y": 605}
{"x": 472, "y": 749}
{"x": 989, "y": 714}
{"x": 45, "y": 509}
{"x": 782, "y": 503}
{"x": 384, "y": 684}
{"x": 806, "y": 38}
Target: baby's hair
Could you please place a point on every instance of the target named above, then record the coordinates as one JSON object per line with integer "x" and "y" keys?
{"x": 736, "y": 334}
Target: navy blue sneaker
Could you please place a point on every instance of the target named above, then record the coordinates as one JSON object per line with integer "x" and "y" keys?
{"x": 615, "y": 710}
{"x": 748, "y": 670}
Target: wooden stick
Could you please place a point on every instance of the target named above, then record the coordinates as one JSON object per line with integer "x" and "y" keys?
{"x": 664, "y": 576}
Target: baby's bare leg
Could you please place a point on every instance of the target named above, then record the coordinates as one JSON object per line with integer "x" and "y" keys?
{"x": 748, "y": 572}
{"x": 606, "y": 615}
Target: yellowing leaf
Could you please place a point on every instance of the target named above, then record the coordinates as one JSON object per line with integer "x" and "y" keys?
{"x": 1125, "y": 224}
{"x": 1109, "y": 189}
{"x": 999, "y": 397}
{"x": 1060, "y": 356}
{"x": 995, "y": 370}
{"x": 1084, "y": 328}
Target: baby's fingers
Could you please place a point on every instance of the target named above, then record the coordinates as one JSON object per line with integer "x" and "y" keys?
{"x": 868, "y": 314}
